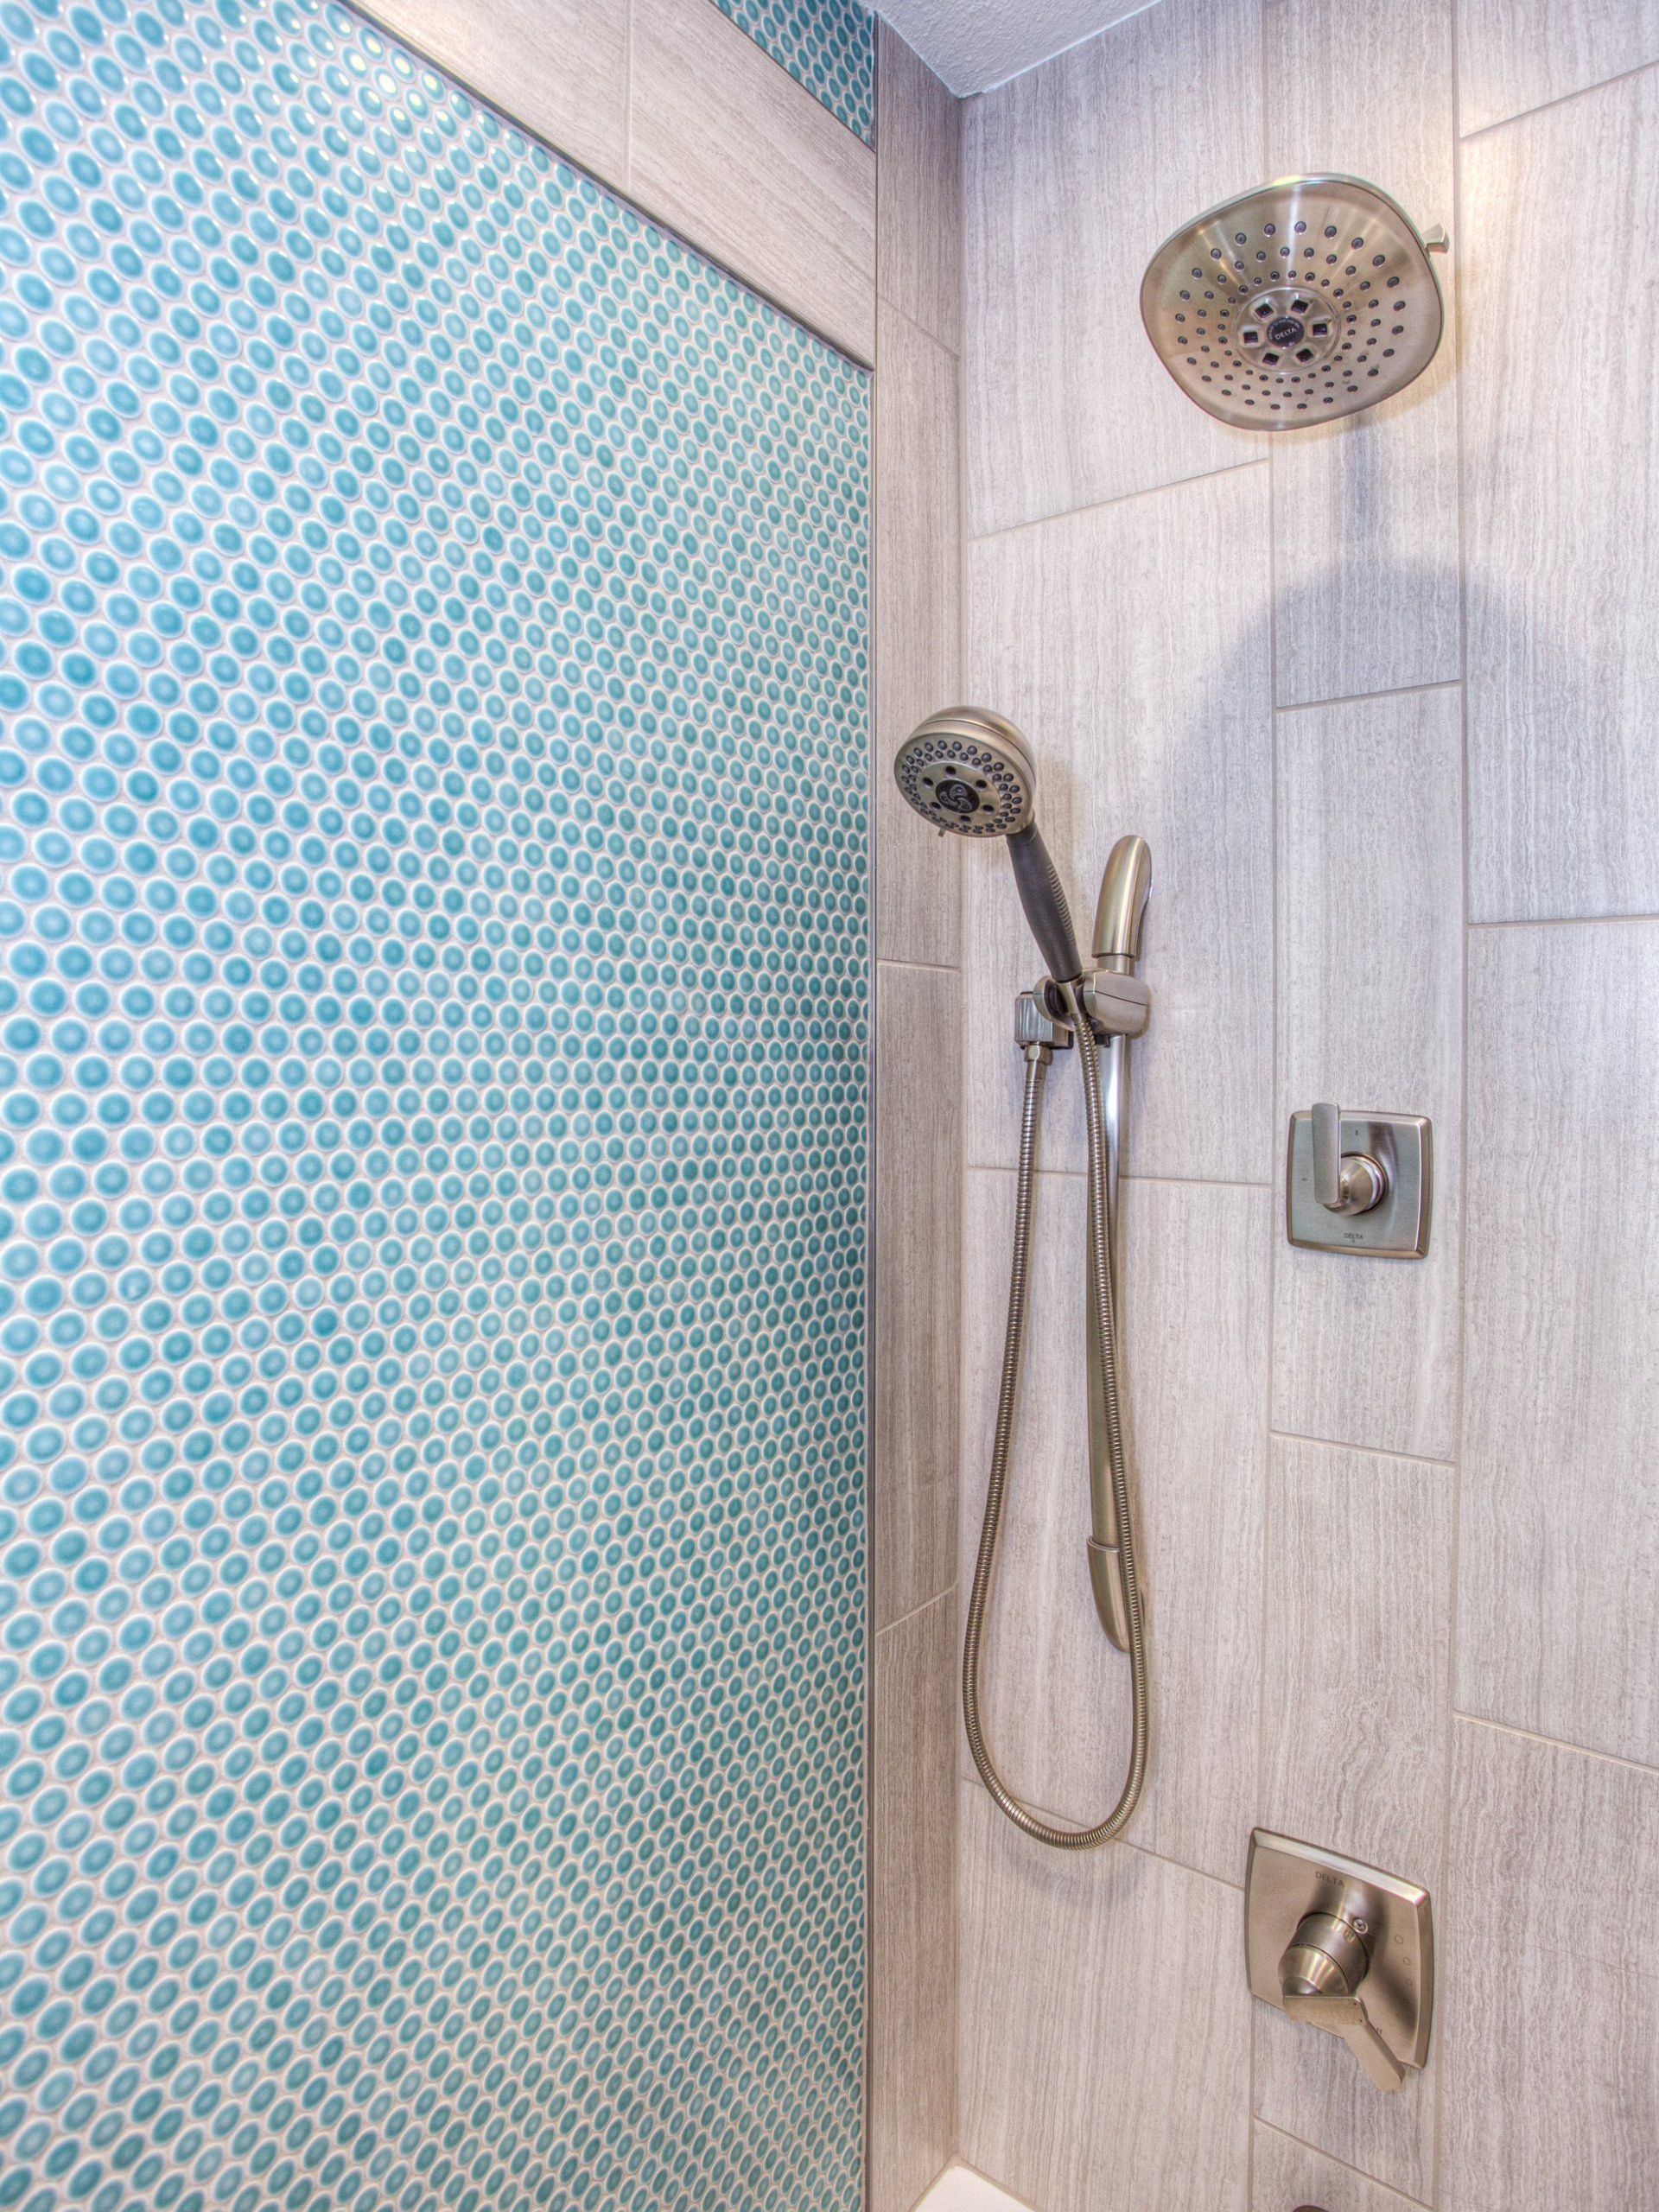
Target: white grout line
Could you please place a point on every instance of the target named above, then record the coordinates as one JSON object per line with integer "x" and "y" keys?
{"x": 1552, "y": 1743}
{"x": 1542, "y": 107}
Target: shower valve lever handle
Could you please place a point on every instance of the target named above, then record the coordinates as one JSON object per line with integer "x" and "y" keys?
{"x": 1346, "y": 2017}
{"x": 1351, "y": 1182}
{"x": 1320, "y": 1977}
{"x": 1327, "y": 1155}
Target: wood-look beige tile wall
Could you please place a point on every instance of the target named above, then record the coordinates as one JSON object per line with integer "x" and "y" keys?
{"x": 1556, "y": 1608}
{"x": 724, "y": 144}
{"x": 1105, "y": 2064}
{"x": 912, "y": 1989}
{"x": 669, "y": 102}
{"x": 1147, "y": 712}
{"x": 1097, "y": 157}
{"x": 1056, "y": 1708}
{"x": 1549, "y": 2101}
{"x": 1563, "y": 531}
{"x": 1385, "y": 708}
{"x": 1514, "y": 55}
{"x": 1370, "y": 1011}
{"x": 920, "y": 666}
{"x": 1365, "y": 512}
{"x": 910, "y": 2117}
{"x": 1287, "y": 2173}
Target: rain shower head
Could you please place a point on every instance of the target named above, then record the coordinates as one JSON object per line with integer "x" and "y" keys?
{"x": 1307, "y": 299}
{"x": 968, "y": 771}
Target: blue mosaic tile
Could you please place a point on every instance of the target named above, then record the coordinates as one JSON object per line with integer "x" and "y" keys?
{"x": 433, "y": 999}
{"x": 829, "y": 45}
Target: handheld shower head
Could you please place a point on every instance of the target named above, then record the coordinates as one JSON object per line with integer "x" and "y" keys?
{"x": 970, "y": 772}
{"x": 967, "y": 770}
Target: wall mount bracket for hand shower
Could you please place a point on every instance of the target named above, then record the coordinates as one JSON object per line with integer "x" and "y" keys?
{"x": 1118, "y": 1005}
{"x": 1038, "y": 1027}
{"x": 1344, "y": 1947}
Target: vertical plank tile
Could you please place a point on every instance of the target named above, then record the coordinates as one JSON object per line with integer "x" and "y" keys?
{"x": 1559, "y": 1544}
{"x": 1563, "y": 530}
{"x": 918, "y": 1274}
{"x": 725, "y": 146}
{"x": 1105, "y": 2043}
{"x": 918, "y": 627}
{"x": 1371, "y": 1014}
{"x": 911, "y": 2117}
{"x": 919, "y": 163}
{"x": 1074, "y": 174}
{"x": 1310, "y": 2086}
{"x": 1356, "y": 1665}
{"x": 558, "y": 67}
{"x": 912, "y": 1908}
{"x": 1288, "y": 2174}
{"x": 1365, "y": 510}
{"x": 1517, "y": 54}
{"x": 1356, "y": 1653}
{"x": 1551, "y": 2100}
{"x": 1056, "y": 1704}
{"x": 1146, "y": 714}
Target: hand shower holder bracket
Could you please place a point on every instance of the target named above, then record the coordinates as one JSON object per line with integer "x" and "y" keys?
{"x": 1036, "y": 1026}
{"x": 1118, "y": 1005}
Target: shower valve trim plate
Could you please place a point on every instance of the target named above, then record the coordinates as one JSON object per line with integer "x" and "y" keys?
{"x": 1342, "y": 1948}
{"x": 1360, "y": 1183}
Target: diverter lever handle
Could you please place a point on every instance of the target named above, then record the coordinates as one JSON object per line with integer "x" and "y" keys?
{"x": 1346, "y": 2017}
{"x": 1343, "y": 1182}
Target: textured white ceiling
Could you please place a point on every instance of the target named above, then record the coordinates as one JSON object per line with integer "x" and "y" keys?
{"x": 974, "y": 44}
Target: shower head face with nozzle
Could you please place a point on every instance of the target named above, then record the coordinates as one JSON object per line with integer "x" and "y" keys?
{"x": 968, "y": 771}
{"x": 1304, "y": 300}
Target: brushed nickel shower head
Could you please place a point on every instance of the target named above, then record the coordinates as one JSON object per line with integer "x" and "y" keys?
{"x": 1301, "y": 301}
{"x": 970, "y": 772}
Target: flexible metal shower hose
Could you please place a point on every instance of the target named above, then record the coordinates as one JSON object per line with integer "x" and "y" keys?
{"x": 996, "y": 1492}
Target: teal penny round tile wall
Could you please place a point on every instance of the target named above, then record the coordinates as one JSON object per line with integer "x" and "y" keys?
{"x": 433, "y": 1002}
{"x": 829, "y": 45}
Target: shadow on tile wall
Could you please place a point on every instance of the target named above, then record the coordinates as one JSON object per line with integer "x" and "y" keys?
{"x": 1252, "y": 1610}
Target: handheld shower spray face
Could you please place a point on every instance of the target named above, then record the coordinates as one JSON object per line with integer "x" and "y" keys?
{"x": 968, "y": 771}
